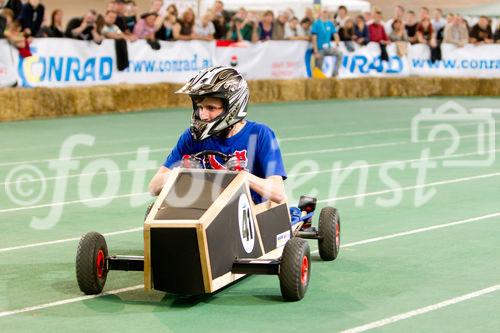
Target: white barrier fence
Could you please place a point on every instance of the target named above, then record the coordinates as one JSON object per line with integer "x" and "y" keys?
{"x": 65, "y": 62}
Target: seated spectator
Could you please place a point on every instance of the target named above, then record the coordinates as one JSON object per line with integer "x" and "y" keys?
{"x": 309, "y": 14}
{"x": 6, "y": 19}
{"x": 266, "y": 26}
{"x": 426, "y": 34}
{"x": 166, "y": 30}
{"x": 243, "y": 29}
{"x": 279, "y": 25}
{"x": 341, "y": 17}
{"x": 398, "y": 32}
{"x": 377, "y": 34}
{"x": 145, "y": 27}
{"x": 15, "y": 5}
{"x": 130, "y": 15}
{"x": 361, "y": 31}
{"x": 438, "y": 24}
{"x": 399, "y": 14}
{"x": 411, "y": 27}
{"x": 424, "y": 14}
{"x": 109, "y": 29}
{"x": 31, "y": 17}
{"x": 219, "y": 10}
{"x": 399, "y": 36}
{"x": 347, "y": 35}
{"x": 204, "y": 30}
{"x": 55, "y": 29}
{"x": 220, "y": 25}
{"x": 84, "y": 28}
{"x": 481, "y": 32}
{"x": 294, "y": 31}
{"x": 305, "y": 24}
{"x": 376, "y": 30}
{"x": 3, "y": 24}
{"x": 156, "y": 6}
{"x": 18, "y": 38}
{"x": 184, "y": 30}
{"x": 323, "y": 32}
{"x": 456, "y": 32}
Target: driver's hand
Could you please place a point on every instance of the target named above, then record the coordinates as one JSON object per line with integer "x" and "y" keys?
{"x": 191, "y": 162}
{"x": 235, "y": 164}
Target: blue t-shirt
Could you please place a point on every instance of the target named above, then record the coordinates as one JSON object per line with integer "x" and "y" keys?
{"x": 255, "y": 142}
{"x": 324, "y": 32}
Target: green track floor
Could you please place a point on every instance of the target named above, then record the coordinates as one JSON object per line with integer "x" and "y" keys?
{"x": 367, "y": 283}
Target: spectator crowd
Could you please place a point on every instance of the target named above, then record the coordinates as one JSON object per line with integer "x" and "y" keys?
{"x": 20, "y": 21}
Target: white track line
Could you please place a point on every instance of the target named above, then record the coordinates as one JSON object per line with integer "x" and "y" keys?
{"x": 366, "y": 241}
{"x": 367, "y": 166}
{"x": 420, "y": 230}
{"x": 121, "y": 232}
{"x": 68, "y": 301}
{"x": 133, "y": 152}
{"x": 417, "y": 312}
{"x": 73, "y": 202}
{"x": 444, "y": 182}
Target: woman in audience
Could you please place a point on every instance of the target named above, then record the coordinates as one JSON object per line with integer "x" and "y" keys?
{"x": 347, "y": 35}
{"x": 400, "y": 37}
{"x": 166, "y": 30}
{"x": 55, "y": 30}
{"x": 361, "y": 35}
{"x": 411, "y": 27}
{"x": 266, "y": 26}
{"x": 184, "y": 29}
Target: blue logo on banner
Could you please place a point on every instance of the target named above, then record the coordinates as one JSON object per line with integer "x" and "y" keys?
{"x": 357, "y": 64}
{"x": 36, "y": 69}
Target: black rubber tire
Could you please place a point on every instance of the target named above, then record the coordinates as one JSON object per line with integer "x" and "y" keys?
{"x": 329, "y": 225}
{"x": 87, "y": 255}
{"x": 293, "y": 286}
{"x": 148, "y": 209}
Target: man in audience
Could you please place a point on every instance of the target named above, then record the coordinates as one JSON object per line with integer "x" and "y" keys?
{"x": 84, "y": 28}
{"x": 31, "y": 17}
{"x": 145, "y": 27}
{"x": 399, "y": 13}
{"x": 322, "y": 32}
{"x": 456, "y": 32}
{"x": 279, "y": 25}
{"x": 219, "y": 10}
{"x": 481, "y": 32}
{"x": 341, "y": 17}
{"x": 411, "y": 27}
{"x": 110, "y": 30}
{"x": 377, "y": 34}
{"x": 294, "y": 31}
{"x": 204, "y": 29}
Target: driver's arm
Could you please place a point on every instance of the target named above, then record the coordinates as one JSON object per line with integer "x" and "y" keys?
{"x": 156, "y": 184}
{"x": 272, "y": 187}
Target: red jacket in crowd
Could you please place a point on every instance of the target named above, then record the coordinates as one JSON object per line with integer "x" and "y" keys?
{"x": 376, "y": 32}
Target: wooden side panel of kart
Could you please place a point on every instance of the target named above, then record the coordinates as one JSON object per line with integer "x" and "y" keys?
{"x": 190, "y": 249}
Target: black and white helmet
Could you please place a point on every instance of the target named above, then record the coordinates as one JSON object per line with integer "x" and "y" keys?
{"x": 221, "y": 82}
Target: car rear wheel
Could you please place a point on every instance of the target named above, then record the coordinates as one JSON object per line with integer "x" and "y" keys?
{"x": 91, "y": 270}
{"x": 295, "y": 269}
{"x": 329, "y": 233}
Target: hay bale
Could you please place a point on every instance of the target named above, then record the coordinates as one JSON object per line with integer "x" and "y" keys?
{"x": 9, "y": 105}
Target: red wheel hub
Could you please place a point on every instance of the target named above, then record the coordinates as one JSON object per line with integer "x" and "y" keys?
{"x": 304, "y": 270}
{"x": 337, "y": 234}
{"x": 100, "y": 261}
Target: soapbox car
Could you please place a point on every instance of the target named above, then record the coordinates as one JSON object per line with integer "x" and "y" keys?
{"x": 204, "y": 232}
